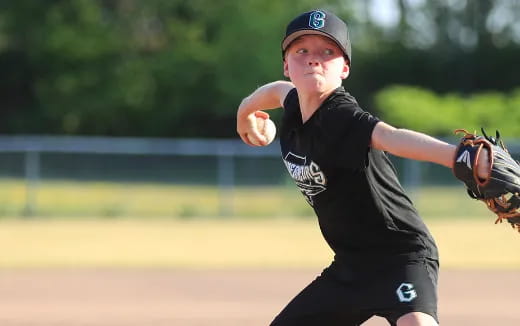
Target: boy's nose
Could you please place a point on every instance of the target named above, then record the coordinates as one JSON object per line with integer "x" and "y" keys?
{"x": 313, "y": 61}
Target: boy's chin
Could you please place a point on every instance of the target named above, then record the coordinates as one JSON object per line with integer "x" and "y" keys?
{"x": 311, "y": 83}
{"x": 314, "y": 87}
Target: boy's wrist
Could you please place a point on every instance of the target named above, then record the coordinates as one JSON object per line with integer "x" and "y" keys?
{"x": 244, "y": 110}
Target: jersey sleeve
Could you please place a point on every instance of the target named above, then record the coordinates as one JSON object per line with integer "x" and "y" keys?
{"x": 349, "y": 133}
{"x": 291, "y": 99}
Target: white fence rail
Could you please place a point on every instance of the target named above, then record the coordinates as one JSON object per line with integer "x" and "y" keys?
{"x": 225, "y": 150}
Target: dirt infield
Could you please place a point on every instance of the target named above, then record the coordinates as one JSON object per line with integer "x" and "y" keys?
{"x": 212, "y": 298}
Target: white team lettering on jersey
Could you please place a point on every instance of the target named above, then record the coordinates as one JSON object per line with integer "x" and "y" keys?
{"x": 308, "y": 176}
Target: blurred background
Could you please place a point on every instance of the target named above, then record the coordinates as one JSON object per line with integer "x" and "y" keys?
{"x": 123, "y": 107}
{"x": 119, "y": 155}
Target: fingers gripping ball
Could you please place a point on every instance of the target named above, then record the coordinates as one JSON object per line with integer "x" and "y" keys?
{"x": 266, "y": 128}
{"x": 501, "y": 190}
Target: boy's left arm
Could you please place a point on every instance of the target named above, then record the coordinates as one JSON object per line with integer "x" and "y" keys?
{"x": 418, "y": 146}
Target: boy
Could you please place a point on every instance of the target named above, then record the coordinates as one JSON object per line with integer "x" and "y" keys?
{"x": 386, "y": 261}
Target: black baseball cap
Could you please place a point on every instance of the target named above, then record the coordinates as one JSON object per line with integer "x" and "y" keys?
{"x": 319, "y": 22}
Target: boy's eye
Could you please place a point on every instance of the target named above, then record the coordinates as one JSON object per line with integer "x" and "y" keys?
{"x": 328, "y": 51}
{"x": 301, "y": 51}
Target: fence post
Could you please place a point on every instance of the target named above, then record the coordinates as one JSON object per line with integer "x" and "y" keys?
{"x": 32, "y": 176}
{"x": 226, "y": 177}
{"x": 413, "y": 177}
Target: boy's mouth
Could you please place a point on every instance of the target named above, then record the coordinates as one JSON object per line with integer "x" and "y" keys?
{"x": 313, "y": 72}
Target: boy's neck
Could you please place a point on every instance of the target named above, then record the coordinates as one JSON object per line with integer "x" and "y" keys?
{"x": 309, "y": 103}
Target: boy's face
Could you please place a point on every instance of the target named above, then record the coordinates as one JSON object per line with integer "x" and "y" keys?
{"x": 315, "y": 64}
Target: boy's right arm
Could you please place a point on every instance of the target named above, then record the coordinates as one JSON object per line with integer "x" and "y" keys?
{"x": 269, "y": 96}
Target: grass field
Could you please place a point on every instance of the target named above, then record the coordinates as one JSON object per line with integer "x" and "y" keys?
{"x": 87, "y": 224}
{"x": 103, "y": 199}
{"x": 227, "y": 243}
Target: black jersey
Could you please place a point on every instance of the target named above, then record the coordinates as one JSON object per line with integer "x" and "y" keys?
{"x": 363, "y": 212}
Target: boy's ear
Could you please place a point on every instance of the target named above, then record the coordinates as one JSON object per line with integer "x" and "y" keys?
{"x": 346, "y": 70}
{"x": 285, "y": 69}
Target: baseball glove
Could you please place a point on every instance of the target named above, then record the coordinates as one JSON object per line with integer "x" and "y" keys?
{"x": 501, "y": 190}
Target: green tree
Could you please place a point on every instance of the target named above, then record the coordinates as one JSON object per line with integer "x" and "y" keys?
{"x": 177, "y": 68}
{"x": 423, "y": 110}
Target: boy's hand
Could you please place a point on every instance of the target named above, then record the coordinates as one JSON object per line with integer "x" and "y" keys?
{"x": 266, "y": 97}
{"x": 247, "y": 127}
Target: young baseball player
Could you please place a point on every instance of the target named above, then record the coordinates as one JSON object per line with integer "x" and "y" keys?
{"x": 386, "y": 261}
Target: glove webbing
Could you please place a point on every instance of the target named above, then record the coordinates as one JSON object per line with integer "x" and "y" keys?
{"x": 512, "y": 217}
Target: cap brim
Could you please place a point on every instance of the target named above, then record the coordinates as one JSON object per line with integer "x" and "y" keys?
{"x": 288, "y": 40}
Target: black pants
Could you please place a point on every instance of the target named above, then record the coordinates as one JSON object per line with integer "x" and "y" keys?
{"x": 347, "y": 296}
